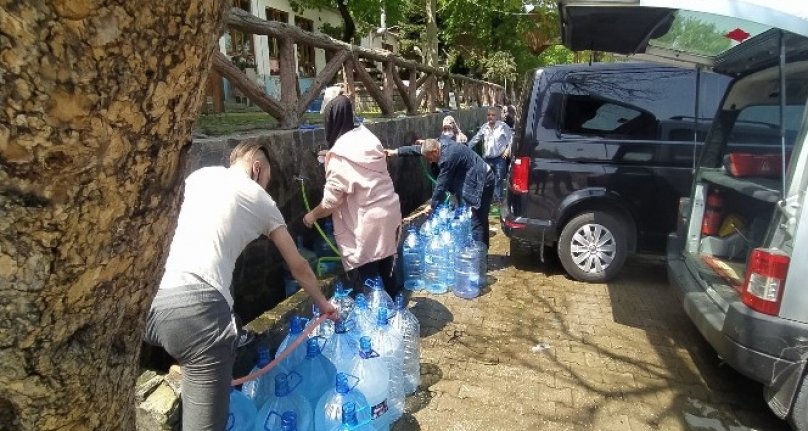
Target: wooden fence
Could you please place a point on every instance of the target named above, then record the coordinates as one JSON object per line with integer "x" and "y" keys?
{"x": 427, "y": 87}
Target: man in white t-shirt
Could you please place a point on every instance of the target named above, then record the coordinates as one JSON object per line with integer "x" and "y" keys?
{"x": 223, "y": 210}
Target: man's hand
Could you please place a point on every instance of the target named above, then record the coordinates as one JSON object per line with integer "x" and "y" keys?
{"x": 390, "y": 153}
{"x": 309, "y": 220}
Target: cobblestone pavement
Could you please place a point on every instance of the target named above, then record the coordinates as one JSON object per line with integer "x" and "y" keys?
{"x": 538, "y": 351}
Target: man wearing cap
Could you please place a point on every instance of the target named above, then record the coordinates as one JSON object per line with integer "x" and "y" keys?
{"x": 463, "y": 173}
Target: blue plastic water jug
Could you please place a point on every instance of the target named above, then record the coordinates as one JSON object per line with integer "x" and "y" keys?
{"x": 328, "y": 412}
{"x": 341, "y": 348}
{"x": 296, "y": 326}
{"x": 374, "y": 383}
{"x": 316, "y": 370}
{"x": 262, "y": 388}
{"x": 285, "y": 399}
{"x": 390, "y": 346}
{"x": 241, "y": 416}
{"x": 412, "y": 255}
{"x": 350, "y": 420}
{"x": 407, "y": 325}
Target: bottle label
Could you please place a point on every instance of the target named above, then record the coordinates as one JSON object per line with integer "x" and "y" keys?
{"x": 378, "y": 410}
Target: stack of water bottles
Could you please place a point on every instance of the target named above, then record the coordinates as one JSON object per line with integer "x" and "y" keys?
{"x": 441, "y": 255}
{"x": 352, "y": 374}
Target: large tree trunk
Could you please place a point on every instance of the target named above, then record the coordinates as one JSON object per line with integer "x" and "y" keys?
{"x": 349, "y": 30}
{"x": 97, "y": 100}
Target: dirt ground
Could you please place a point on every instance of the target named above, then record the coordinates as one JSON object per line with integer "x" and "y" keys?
{"x": 538, "y": 351}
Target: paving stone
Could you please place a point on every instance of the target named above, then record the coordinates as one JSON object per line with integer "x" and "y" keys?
{"x": 541, "y": 352}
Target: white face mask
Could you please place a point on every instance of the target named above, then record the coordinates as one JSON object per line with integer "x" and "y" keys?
{"x": 449, "y": 134}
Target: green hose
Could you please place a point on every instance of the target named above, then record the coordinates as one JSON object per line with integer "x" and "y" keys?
{"x": 317, "y": 225}
{"x": 426, "y": 172}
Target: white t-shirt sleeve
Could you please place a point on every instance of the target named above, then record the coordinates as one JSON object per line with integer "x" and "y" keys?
{"x": 271, "y": 214}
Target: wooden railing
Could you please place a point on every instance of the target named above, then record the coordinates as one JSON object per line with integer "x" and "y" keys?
{"x": 435, "y": 85}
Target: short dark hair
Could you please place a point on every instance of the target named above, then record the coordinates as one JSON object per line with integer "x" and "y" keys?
{"x": 247, "y": 150}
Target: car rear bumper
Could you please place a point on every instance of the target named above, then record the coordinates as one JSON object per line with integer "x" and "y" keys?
{"x": 526, "y": 230}
{"x": 762, "y": 347}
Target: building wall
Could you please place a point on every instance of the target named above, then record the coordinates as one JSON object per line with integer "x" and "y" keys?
{"x": 261, "y": 43}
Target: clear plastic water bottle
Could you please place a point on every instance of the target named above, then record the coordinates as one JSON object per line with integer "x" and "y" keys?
{"x": 341, "y": 348}
{"x": 374, "y": 383}
{"x": 390, "y": 346}
{"x": 343, "y": 302}
{"x": 241, "y": 416}
{"x": 296, "y": 326}
{"x": 316, "y": 370}
{"x": 435, "y": 265}
{"x": 362, "y": 316}
{"x": 350, "y": 420}
{"x": 324, "y": 329}
{"x": 328, "y": 412}
{"x": 467, "y": 272}
{"x": 262, "y": 388}
{"x": 378, "y": 297}
{"x": 448, "y": 241}
{"x": 482, "y": 258}
{"x": 284, "y": 400}
{"x": 412, "y": 255}
{"x": 407, "y": 325}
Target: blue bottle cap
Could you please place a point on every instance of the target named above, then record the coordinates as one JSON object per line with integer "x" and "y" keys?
{"x": 381, "y": 317}
{"x": 281, "y": 385}
{"x": 342, "y": 383}
{"x": 349, "y": 414}
{"x": 361, "y": 301}
{"x": 296, "y": 325}
{"x": 289, "y": 421}
{"x": 263, "y": 357}
{"x": 312, "y": 347}
{"x": 339, "y": 326}
{"x": 401, "y": 302}
{"x": 365, "y": 344}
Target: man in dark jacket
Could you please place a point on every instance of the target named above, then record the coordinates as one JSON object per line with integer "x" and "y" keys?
{"x": 463, "y": 173}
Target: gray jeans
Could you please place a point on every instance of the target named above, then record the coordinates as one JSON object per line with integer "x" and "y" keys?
{"x": 195, "y": 326}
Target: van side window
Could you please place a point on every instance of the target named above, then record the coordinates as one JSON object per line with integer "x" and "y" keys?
{"x": 588, "y": 115}
{"x": 759, "y": 125}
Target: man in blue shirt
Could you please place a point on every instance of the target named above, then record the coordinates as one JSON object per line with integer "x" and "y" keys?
{"x": 463, "y": 173}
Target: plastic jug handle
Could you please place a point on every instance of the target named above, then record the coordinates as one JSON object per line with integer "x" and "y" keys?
{"x": 354, "y": 377}
{"x": 299, "y": 380}
{"x": 231, "y": 422}
{"x": 267, "y": 426}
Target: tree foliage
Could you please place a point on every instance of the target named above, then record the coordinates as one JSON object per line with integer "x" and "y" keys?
{"x": 694, "y": 35}
{"x": 359, "y": 16}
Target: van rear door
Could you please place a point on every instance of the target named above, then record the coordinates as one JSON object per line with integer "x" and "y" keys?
{"x": 664, "y": 29}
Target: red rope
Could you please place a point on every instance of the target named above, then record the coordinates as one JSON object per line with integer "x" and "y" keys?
{"x": 278, "y": 358}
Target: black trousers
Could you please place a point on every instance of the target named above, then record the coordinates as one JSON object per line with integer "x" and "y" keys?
{"x": 383, "y": 268}
{"x": 479, "y": 223}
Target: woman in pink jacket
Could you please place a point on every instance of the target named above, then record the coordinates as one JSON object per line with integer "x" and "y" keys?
{"x": 360, "y": 197}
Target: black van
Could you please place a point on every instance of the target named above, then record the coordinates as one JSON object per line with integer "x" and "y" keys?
{"x": 602, "y": 154}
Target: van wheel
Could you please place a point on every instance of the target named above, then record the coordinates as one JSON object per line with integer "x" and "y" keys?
{"x": 798, "y": 418}
{"x": 593, "y": 246}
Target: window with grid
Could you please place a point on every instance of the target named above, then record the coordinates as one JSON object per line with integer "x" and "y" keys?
{"x": 274, "y": 44}
{"x": 239, "y": 45}
{"x": 305, "y": 53}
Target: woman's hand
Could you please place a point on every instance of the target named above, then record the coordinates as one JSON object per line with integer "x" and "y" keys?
{"x": 309, "y": 220}
{"x": 390, "y": 153}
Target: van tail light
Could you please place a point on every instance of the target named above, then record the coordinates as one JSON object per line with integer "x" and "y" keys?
{"x": 520, "y": 176}
{"x": 765, "y": 280}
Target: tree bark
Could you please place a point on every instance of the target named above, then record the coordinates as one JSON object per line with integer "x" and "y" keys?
{"x": 98, "y": 102}
{"x": 349, "y": 30}
{"x": 431, "y": 48}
